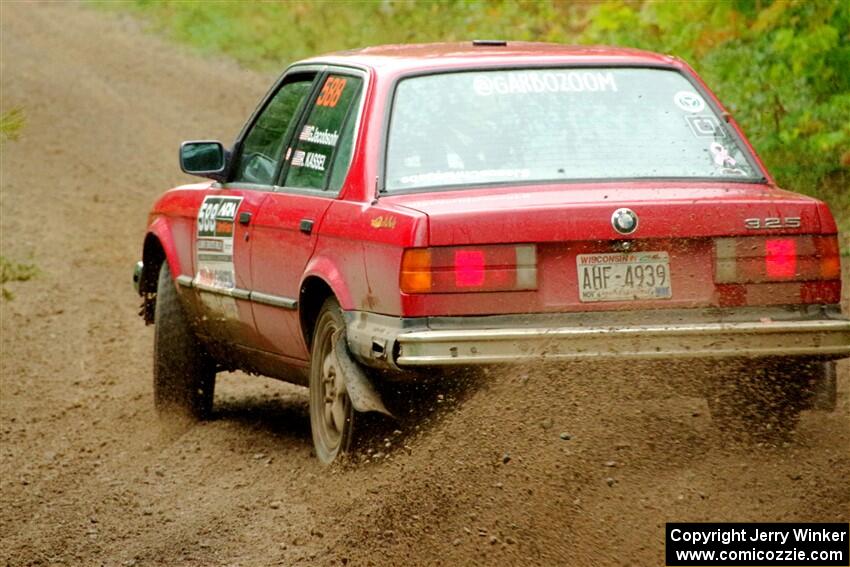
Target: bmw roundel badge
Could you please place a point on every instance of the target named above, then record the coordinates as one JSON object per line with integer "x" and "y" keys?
{"x": 624, "y": 221}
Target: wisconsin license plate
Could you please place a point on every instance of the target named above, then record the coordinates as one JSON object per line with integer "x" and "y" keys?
{"x": 627, "y": 276}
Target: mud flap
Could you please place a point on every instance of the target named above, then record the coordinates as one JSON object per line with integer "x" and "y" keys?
{"x": 825, "y": 394}
{"x": 361, "y": 392}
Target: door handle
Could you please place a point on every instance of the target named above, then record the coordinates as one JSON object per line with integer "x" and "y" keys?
{"x": 245, "y": 218}
{"x": 306, "y": 226}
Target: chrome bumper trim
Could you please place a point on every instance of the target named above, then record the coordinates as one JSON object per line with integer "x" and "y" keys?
{"x": 184, "y": 281}
{"x": 234, "y": 292}
{"x": 239, "y": 293}
{"x": 274, "y": 300}
{"x": 821, "y": 337}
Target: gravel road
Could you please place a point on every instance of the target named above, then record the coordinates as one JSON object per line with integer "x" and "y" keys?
{"x": 580, "y": 465}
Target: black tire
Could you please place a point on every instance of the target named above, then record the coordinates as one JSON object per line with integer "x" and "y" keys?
{"x": 332, "y": 417}
{"x": 183, "y": 374}
{"x": 763, "y": 404}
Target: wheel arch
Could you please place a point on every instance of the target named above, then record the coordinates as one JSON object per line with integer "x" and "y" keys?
{"x": 313, "y": 293}
{"x": 322, "y": 279}
{"x": 158, "y": 247}
{"x": 153, "y": 255}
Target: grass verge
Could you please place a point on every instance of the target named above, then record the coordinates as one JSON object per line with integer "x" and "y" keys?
{"x": 11, "y": 271}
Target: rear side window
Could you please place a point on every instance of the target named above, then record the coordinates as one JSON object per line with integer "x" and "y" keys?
{"x": 262, "y": 149}
{"x": 321, "y": 151}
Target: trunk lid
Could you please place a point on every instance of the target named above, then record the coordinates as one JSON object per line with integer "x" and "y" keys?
{"x": 571, "y": 226}
{"x": 561, "y": 213}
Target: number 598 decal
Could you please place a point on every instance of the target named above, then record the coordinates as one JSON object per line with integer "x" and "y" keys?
{"x": 216, "y": 216}
{"x": 331, "y": 92}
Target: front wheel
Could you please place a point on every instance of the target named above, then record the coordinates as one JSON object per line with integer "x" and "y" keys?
{"x": 183, "y": 374}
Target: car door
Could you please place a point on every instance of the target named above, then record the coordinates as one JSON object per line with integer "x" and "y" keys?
{"x": 224, "y": 235}
{"x": 286, "y": 227}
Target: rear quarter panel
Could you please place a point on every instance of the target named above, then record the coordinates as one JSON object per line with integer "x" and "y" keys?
{"x": 359, "y": 253}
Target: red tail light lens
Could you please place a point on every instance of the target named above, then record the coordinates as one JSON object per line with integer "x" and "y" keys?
{"x": 757, "y": 259}
{"x": 459, "y": 269}
{"x": 780, "y": 258}
{"x": 469, "y": 268}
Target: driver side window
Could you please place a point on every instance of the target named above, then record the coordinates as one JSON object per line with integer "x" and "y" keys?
{"x": 262, "y": 149}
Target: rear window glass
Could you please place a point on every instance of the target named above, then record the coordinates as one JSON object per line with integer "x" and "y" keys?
{"x": 533, "y": 125}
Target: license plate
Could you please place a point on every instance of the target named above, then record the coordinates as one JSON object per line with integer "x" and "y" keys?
{"x": 627, "y": 276}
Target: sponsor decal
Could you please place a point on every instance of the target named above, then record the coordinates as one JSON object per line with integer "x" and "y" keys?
{"x": 214, "y": 251}
{"x": 315, "y": 136}
{"x": 210, "y": 244}
{"x": 384, "y": 221}
{"x": 721, "y": 156}
{"x": 723, "y": 159}
{"x": 689, "y": 101}
{"x": 541, "y": 82}
{"x": 331, "y": 92}
{"x": 310, "y": 160}
{"x": 705, "y": 126}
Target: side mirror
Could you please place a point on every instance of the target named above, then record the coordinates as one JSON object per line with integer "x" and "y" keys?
{"x": 205, "y": 158}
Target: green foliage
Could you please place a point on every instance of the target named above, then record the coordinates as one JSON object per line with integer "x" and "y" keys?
{"x": 267, "y": 35}
{"x": 14, "y": 272}
{"x": 781, "y": 67}
{"x": 11, "y": 123}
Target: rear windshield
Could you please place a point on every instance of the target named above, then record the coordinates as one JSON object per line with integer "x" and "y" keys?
{"x": 531, "y": 125}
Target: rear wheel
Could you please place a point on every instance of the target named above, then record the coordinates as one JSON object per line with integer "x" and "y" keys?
{"x": 183, "y": 374}
{"x": 331, "y": 413}
{"x": 762, "y": 405}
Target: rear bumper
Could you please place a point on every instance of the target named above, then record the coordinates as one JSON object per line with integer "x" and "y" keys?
{"x": 399, "y": 343}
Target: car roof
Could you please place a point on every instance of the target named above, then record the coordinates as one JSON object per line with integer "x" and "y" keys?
{"x": 426, "y": 56}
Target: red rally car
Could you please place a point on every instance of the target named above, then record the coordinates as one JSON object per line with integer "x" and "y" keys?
{"x": 419, "y": 206}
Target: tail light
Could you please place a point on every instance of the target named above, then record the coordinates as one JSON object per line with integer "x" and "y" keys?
{"x": 459, "y": 269}
{"x": 762, "y": 259}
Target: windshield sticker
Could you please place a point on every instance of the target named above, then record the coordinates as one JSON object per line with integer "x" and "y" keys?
{"x": 552, "y": 82}
{"x": 316, "y": 136}
{"x": 331, "y": 92}
{"x": 214, "y": 251}
{"x": 705, "y": 126}
{"x": 689, "y": 101}
{"x": 310, "y": 160}
{"x": 460, "y": 177}
{"x": 721, "y": 156}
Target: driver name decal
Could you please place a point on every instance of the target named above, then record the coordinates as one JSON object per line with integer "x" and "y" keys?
{"x": 310, "y": 160}
{"x": 317, "y": 136}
